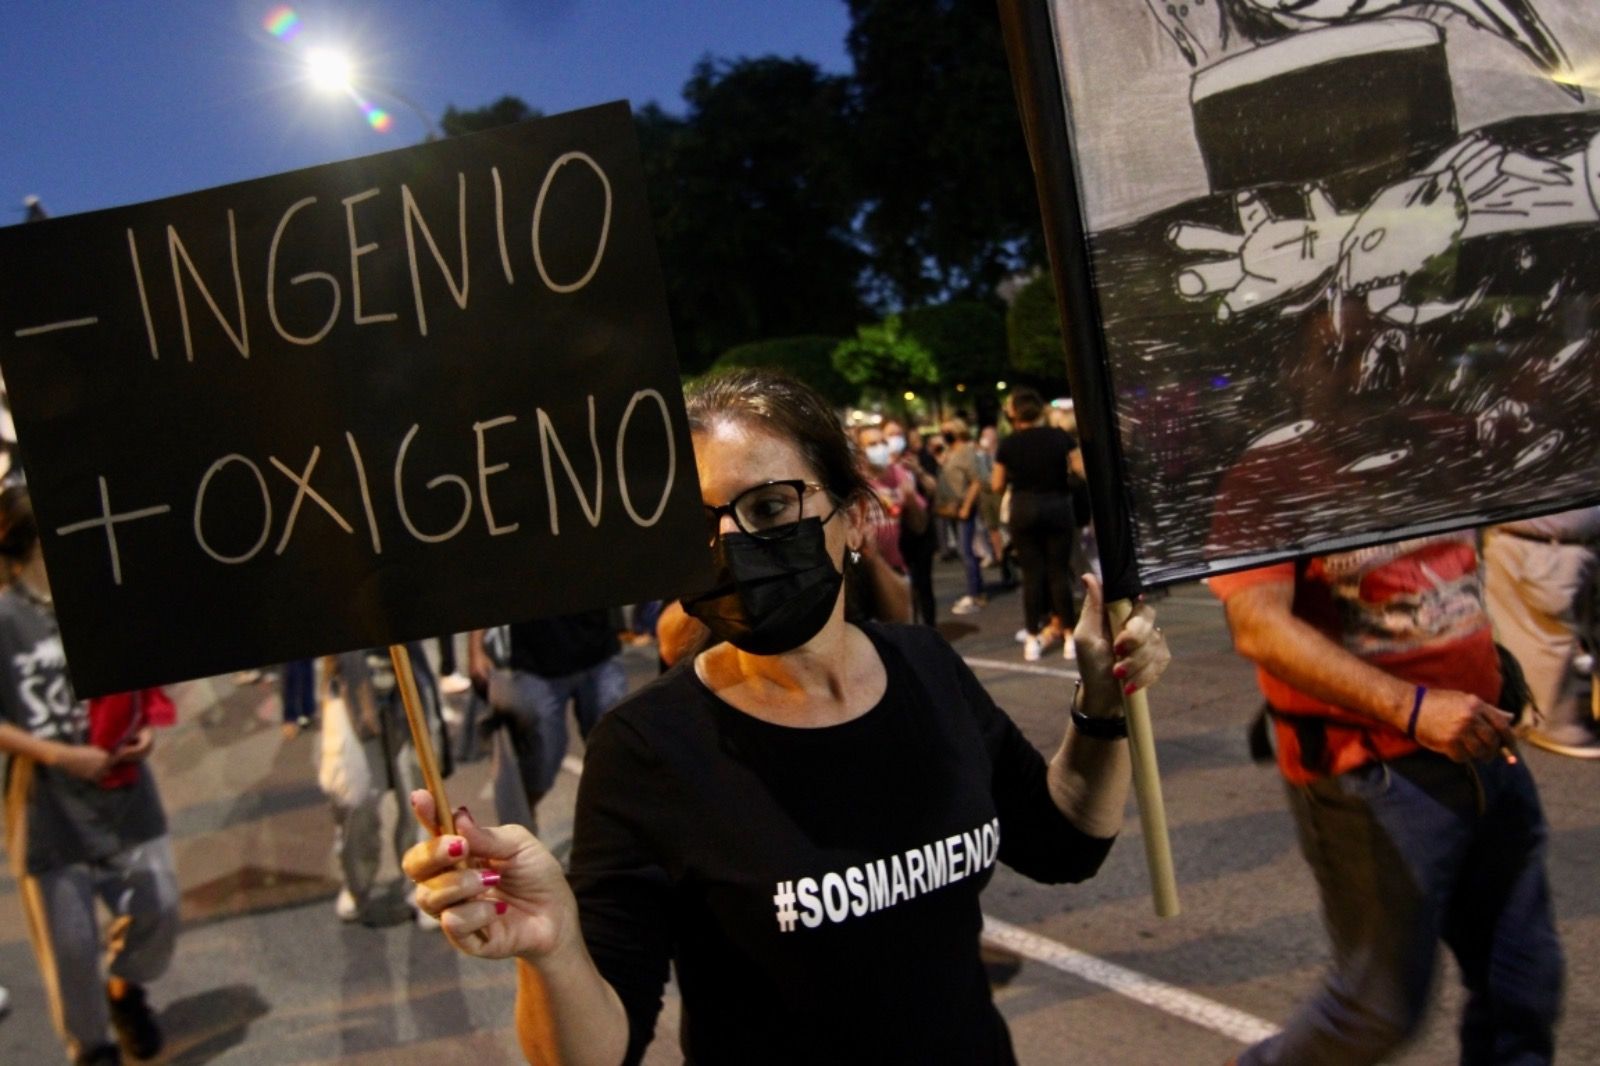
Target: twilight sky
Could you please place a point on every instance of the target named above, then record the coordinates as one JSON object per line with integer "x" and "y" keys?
{"x": 110, "y": 102}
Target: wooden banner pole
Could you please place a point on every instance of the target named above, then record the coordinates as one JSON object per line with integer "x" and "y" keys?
{"x": 1147, "y": 788}
{"x": 542, "y": 1034}
{"x": 422, "y": 740}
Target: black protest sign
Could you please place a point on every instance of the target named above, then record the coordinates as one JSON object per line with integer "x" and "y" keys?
{"x": 1329, "y": 272}
{"x": 353, "y": 405}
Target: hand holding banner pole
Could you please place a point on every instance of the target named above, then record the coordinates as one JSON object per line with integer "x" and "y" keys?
{"x": 422, "y": 740}
{"x": 1147, "y": 787}
{"x": 1030, "y": 49}
{"x": 540, "y": 1029}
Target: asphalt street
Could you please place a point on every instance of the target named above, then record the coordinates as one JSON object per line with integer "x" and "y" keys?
{"x": 266, "y": 973}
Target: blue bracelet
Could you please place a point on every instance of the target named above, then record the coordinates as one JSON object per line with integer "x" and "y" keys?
{"x": 1416, "y": 709}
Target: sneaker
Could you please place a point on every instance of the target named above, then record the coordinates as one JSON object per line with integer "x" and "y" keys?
{"x": 1023, "y": 635}
{"x": 1578, "y": 740}
{"x": 347, "y": 907}
{"x": 1032, "y": 649}
{"x": 1583, "y": 664}
{"x": 1069, "y": 650}
{"x": 135, "y": 1024}
{"x": 454, "y": 684}
{"x": 966, "y": 605}
{"x": 104, "y": 1055}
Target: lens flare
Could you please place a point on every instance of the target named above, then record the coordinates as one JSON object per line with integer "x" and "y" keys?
{"x": 377, "y": 117}
{"x": 282, "y": 22}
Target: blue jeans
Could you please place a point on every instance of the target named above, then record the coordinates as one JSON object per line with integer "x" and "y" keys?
{"x": 299, "y": 691}
{"x": 1408, "y": 854}
{"x": 966, "y": 530}
{"x": 535, "y": 713}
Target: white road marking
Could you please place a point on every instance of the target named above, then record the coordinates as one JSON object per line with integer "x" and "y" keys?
{"x": 1019, "y": 668}
{"x": 1196, "y": 1009}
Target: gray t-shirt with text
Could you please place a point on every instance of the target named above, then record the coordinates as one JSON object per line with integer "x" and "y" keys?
{"x": 69, "y": 820}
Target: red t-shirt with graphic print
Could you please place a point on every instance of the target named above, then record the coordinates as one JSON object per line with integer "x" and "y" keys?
{"x": 1414, "y": 608}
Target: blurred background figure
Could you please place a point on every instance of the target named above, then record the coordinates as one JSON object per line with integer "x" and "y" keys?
{"x": 1035, "y": 462}
{"x": 919, "y": 539}
{"x": 1541, "y": 585}
{"x": 85, "y": 827}
{"x": 574, "y": 659}
{"x": 957, "y": 501}
{"x": 989, "y": 500}
{"x": 367, "y": 752}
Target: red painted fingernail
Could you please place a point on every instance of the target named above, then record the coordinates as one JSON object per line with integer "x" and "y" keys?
{"x": 1121, "y": 649}
{"x": 500, "y": 906}
{"x": 489, "y": 878}
{"x": 1128, "y": 690}
{"x": 457, "y": 848}
{"x": 1119, "y": 671}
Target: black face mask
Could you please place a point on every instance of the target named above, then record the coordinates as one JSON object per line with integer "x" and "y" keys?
{"x": 770, "y": 596}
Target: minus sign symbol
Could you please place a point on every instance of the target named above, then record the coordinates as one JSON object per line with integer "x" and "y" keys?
{"x": 51, "y": 327}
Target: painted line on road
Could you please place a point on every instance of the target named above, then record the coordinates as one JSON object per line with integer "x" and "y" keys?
{"x": 1196, "y": 1009}
{"x": 1019, "y": 668}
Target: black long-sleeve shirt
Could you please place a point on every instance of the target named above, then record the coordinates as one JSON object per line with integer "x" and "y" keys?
{"x": 816, "y": 888}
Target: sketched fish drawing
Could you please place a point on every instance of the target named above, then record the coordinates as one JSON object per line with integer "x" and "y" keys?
{"x": 1540, "y": 449}
{"x": 1282, "y": 434}
{"x": 1376, "y": 461}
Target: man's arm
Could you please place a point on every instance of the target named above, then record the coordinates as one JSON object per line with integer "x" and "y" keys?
{"x": 79, "y": 760}
{"x": 1266, "y": 631}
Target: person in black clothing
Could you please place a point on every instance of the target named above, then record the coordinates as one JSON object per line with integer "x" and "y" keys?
{"x": 572, "y": 659}
{"x": 1035, "y": 463}
{"x": 801, "y": 817}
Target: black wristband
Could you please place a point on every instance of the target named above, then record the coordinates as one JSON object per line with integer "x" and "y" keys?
{"x": 1101, "y": 728}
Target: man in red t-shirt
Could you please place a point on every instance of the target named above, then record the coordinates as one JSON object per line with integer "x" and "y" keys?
{"x": 1418, "y": 822}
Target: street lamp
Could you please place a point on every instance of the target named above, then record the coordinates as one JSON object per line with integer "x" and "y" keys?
{"x": 331, "y": 70}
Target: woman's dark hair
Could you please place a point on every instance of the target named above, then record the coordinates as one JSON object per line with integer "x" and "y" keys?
{"x": 775, "y": 402}
{"x": 1026, "y": 404}
{"x": 18, "y": 530}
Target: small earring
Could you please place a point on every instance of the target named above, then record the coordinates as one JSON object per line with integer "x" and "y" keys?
{"x": 855, "y": 557}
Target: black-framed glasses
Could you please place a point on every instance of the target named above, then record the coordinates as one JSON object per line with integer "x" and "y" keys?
{"x": 770, "y": 511}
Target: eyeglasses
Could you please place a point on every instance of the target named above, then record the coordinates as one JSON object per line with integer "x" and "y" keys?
{"x": 770, "y": 511}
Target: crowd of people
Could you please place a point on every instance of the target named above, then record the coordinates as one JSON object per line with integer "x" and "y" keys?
{"x": 815, "y": 745}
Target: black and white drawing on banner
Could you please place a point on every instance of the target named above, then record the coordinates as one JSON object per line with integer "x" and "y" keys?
{"x": 1345, "y": 263}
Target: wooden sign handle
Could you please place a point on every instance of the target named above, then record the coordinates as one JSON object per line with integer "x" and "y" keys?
{"x": 1147, "y": 788}
{"x": 422, "y": 740}
{"x": 542, "y": 1029}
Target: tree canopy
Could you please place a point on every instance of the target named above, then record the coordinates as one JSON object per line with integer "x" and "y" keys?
{"x": 810, "y": 359}
{"x": 792, "y": 203}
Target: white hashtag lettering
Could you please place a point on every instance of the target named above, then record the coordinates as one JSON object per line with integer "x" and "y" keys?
{"x": 784, "y": 901}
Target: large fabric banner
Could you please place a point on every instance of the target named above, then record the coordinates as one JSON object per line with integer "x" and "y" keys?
{"x": 1339, "y": 271}
{"x": 353, "y": 405}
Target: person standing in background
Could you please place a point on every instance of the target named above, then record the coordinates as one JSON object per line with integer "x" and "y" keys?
{"x": 957, "y": 500}
{"x": 1035, "y": 462}
{"x": 84, "y": 825}
{"x": 918, "y": 546}
{"x": 574, "y": 659}
{"x": 1541, "y": 585}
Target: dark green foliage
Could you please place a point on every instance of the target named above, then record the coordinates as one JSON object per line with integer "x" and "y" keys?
{"x": 810, "y": 359}
{"x": 753, "y": 203}
{"x": 966, "y": 338}
{"x": 503, "y": 112}
{"x": 949, "y": 199}
{"x": 1033, "y": 332}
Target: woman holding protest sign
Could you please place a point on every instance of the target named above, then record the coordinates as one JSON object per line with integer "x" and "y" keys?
{"x": 83, "y": 819}
{"x": 802, "y": 816}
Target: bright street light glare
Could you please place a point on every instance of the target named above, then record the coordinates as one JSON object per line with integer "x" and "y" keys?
{"x": 328, "y": 69}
